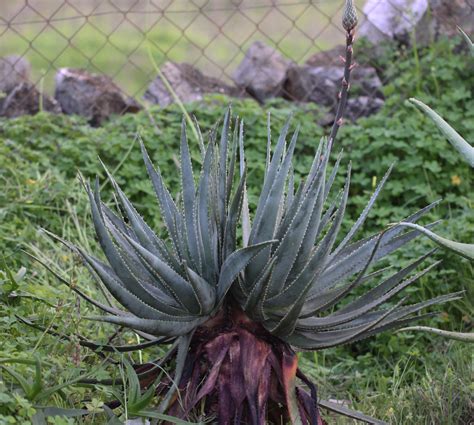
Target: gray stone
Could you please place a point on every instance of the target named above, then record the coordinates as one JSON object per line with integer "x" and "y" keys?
{"x": 362, "y": 106}
{"x": 188, "y": 83}
{"x": 93, "y": 96}
{"x": 25, "y": 99}
{"x": 400, "y": 19}
{"x": 448, "y": 15}
{"x": 321, "y": 84}
{"x": 14, "y": 70}
{"x": 392, "y": 19}
{"x": 330, "y": 57}
{"x": 357, "y": 107}
{"x": 262, "y": 72}
{"x": 312, "y": 84}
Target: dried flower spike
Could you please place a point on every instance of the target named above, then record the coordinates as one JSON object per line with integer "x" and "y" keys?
{"x": 349, "y": 19}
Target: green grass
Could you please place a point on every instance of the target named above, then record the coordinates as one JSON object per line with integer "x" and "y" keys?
{"x": 416, "y": 388}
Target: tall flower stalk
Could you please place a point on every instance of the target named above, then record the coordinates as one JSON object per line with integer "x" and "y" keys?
{"x": 349, "y": 23}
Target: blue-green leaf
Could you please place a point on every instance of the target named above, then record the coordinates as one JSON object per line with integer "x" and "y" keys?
{"x": 458, "y": 142}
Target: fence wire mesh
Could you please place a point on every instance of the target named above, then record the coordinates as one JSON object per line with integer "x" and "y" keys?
{"x": 117, "y": 37}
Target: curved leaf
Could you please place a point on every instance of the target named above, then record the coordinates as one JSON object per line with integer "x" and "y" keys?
{"x": 464, "y": 249}
{"x": 458, "y": 336}
{"x": 459, "y": 143}
{"x": 234, "y": 264}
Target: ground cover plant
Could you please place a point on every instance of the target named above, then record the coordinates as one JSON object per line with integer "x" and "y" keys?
{"x": 42, "y": 155}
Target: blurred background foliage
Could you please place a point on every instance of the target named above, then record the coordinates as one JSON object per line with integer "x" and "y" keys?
{"x": 212, "y": 35}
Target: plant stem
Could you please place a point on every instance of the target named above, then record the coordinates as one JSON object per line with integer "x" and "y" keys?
{"x": 345, "y": 86}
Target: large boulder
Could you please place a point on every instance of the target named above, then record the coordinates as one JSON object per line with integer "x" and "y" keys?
{"x": 93, "y": 96}
{"x": 188, "y": 83}
{"x": 25, "y": 99}
{"x": 400, "y": 19}
{"x": 262, "y": 72}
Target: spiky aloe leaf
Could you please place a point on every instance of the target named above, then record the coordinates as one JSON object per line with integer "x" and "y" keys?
{"x": 353, "y": 260}
{"x": 294, "y": 295}
{"x": 464, "y": 249}
{"x": 457, "y": 336}
{"x": 188, "y": 189}
{"x": 234, "y": 264}
{"x": 210, "y": 269}
{"x": 458, "y": 142}
{"x": 342, "y": 410}
{"x": 222, "y": 171}
{"x": 265, "y": 221}
{"x": 205, "y": 292}
{"x": 366, "y": 303}
{"x": 468, "y": 41}
{"x": 181, "y": 289}
{"x": 154, "y": 327}
{"x": 386, "y": 285}
{"x": 169, "y": 210}
{"x": 363, "y": 216}
{"x": 233, "y": 215}
{"x": 246, "y": 223}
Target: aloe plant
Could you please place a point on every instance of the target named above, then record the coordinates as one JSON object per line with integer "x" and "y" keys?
{"x": 242, "y": 312}
{"x": 237, "y": 295}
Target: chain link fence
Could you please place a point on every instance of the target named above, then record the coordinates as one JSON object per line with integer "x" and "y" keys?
{"x": 130, "y": 40}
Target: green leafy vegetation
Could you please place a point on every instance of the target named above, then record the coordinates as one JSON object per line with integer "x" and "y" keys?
{"x": 401, "y": 378}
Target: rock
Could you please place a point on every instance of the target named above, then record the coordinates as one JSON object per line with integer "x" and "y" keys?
{"x": 321, "y": 84}
{"x": 14, "y": 70}
{"x": 330, "y": 57}
{"x": 448, "y": 15}
{"x": 25, "y": 99}
{"x": 262, "y": 72}
{"x": 311, "y": 84}
{"x": 93, "y": 96}
{"x": 400, "y": 19}
{"x": 362, "y": 106}
{"x": 392, "y": 19}
{"x": 187, "y": 82}
{"x": 357, "y": 107}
